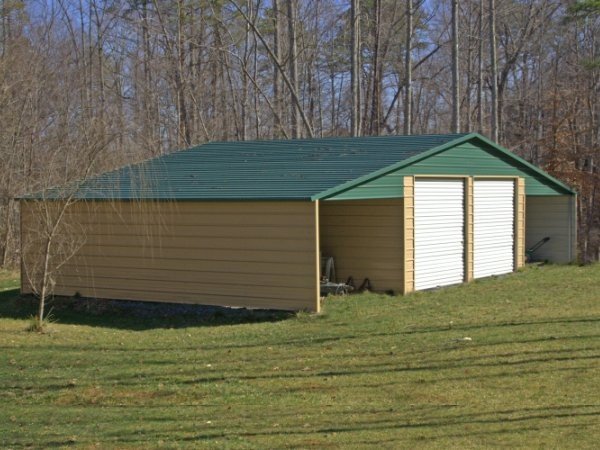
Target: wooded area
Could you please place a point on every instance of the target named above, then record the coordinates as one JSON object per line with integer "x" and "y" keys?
{"x": 88, "y": 85}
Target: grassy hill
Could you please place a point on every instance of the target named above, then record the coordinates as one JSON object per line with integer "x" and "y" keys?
{"x": 513, "y": 362}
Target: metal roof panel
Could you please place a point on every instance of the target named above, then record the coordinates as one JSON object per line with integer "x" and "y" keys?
{"x": 255, "y": 170}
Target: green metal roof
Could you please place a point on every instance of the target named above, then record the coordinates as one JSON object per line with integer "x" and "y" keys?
{"x": 499, "y": 162}
{"x": 299, "y": 169}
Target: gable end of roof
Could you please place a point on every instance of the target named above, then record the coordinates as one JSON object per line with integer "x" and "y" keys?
{"x": 434, "y": 151}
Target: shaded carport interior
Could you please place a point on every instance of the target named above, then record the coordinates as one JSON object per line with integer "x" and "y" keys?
{"x": 552, "y": 216}
{"x": 365, "y": 239}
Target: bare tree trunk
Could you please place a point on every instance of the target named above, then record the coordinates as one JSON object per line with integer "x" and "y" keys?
{"x": 256, "y": 90}
{"x": 184, "y": 126}
{"x": 376, "y": 75}
{"x": 293, "y": 64}
{"x": 355, "y": 113}
{"x": 480, "y": 71}
{"x": 3, "y": 21}
{"x": 468, "y": 86}
{"x": 8, "y": 215}
{"x": 276, "y": 82}
{"x": 408, "y": 69}
{"x": 44, "y": 285}
{"x": 245, "y": 76}
{"x": 493, "y": 71}
{"x": 455, "y": 74}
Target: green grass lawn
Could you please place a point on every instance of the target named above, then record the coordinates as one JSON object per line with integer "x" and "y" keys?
{"x": 390, "y": 372}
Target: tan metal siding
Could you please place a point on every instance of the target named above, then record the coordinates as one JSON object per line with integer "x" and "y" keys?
{"x": 551, "y": 216}
{"x": 317, "y": 255}
{"x": 469, "y": 230}
{"x": 409, "y": 235}
{"x": 520, "y": 208}
{"x": 365, "y": 238}
{"x": 243, "y": 254}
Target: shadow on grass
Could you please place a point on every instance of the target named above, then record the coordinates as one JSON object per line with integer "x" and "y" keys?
{"x": 366, "y": 428}
{"x": 133, "y": 315}
{"x": 439, "y": 424}
{"x": 387, "y": 425}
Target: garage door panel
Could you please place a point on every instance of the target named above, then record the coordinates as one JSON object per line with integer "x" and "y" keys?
{"x": 493, "y": 227}
{"x": 500, "y": 250}
{"x": 441, "y": 249}
{"x": 437, "y": 280}
{"x": 427, "y": 231}
{"x": 439, "y": 232}
{"x": 490, "y": 240}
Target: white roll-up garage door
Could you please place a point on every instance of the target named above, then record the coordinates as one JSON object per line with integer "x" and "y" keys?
{"x": 439, "y": 232}
{"x": 493, "y": 227}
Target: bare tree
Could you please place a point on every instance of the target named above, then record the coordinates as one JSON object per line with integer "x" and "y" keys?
{"x": 493, "y": 71}
{"x": 455, "y": 71}
{"x": 293, "y": 64}
{"x": 408, "y": 69}
{"x": 160, "y": 78}
{"x": 356, "y": 67}
{"x": 51, "y": 237}
{"x": 480, "y": 69}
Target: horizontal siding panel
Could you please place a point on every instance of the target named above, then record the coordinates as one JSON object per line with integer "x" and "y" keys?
{"x": 373, "y": 221}
{"x": 363, "y": 268}
{"x": 198, "y": 265}
{"x": 359, "y": 211}
{"x": 200, "y": 243}
{"x": 384, "y": 273}
{"x": 249, "y": 256}
{"x": 243, "y": 301}
{"x": 134, "y": 209}
{"x": 186, "y": 276}
{"x": 199, "y": 287}
{"x": 207, "y": 219}
{"x": 254, "y": 254}
{"x": 376, "y": 243}
{"x": 193, "y": 231}
{"x": 352, "y": 231}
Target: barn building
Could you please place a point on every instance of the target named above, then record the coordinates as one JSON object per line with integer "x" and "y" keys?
{"x": 245, "y": 224}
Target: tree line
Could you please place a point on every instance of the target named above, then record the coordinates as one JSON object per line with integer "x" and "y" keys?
{"x": 101, "y": 83}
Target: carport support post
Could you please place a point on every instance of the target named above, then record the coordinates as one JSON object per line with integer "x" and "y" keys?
{"x": 409, "y": 235}
{"x": 468, "y": 229}
{"x": 519, "y": 223}
{"x": 318, "y": 258}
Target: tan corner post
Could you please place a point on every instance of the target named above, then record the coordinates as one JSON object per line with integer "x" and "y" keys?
{"x": 469, "y": 229}
{"x": 519, "y": 222}
{"x": 318, "y": 257}
{"x": 409, "y": 235}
